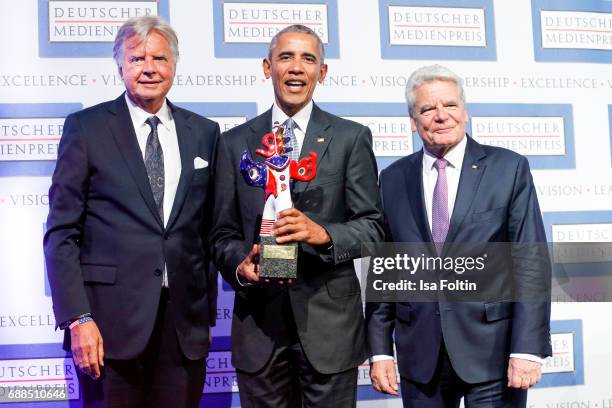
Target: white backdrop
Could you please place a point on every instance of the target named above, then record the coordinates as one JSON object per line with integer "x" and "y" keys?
{"x": 537, "y": 80}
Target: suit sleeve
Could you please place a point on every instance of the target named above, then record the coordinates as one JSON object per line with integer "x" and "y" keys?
{"x": 67, "y": 203}
{"x": 531, "y": 268}
{"x": 380, "y": 316}
{"x": 228, "y": 245}
{"x": 363, "y": 219}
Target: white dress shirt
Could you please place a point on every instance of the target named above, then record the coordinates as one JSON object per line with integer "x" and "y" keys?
{"x": 454, "y": 157}
{"x": 301, "y": 120}
{"x": 166, "y": 131}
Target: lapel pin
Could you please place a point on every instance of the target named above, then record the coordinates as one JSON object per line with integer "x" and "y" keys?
{"x": 474, "y": 166}
{"x": 320, "y": 139}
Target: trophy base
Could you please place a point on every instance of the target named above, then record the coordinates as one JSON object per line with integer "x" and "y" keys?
{"x": 277, "y": 261}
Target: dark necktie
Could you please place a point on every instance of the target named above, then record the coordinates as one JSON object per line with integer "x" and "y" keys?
{"x": 439, "y": 208}
{"x": 154, "y": 163}
{"x": 294, "y": 154}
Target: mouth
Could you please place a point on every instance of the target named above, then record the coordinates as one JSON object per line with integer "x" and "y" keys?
{"x": 149, "y": 83}
{"x": 295, "y": 85}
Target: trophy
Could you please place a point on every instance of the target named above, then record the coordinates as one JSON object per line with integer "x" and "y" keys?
{"x": 274, "y": 175}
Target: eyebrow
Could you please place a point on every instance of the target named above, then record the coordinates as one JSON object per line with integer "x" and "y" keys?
{"x": 449, "y": 102}
{"x": 292, "y": 53}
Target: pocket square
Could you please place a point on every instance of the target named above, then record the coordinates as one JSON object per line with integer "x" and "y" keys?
{"x": 199, "y": 163}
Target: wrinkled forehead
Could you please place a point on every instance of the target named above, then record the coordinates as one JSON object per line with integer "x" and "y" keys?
{"x": 137, "y": 40}
{"x": 437, "y": 90}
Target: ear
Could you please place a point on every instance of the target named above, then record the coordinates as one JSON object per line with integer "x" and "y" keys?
{"x": 267, "y": 68}
{"x": 413, "y": 125}
{"x": 322, "y": 72}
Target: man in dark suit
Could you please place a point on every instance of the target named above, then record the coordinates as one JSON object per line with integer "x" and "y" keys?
{"x": 298, "y": 344}
{"x": 456, "y": 190}
{"x": 126, "y": 241}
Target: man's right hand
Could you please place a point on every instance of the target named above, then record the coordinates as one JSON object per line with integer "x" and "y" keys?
{"x": 249, "y": 268}
{"x": 384, "y": 377}
{"x": 87, "y": 349}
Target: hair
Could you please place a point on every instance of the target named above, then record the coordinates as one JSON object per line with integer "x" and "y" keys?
{"x": 296, "y": 28}
{"x": 142, "y": 27}
{"x": 428, "y": 74}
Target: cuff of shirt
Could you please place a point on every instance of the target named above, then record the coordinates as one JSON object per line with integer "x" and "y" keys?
{"x": 243, "y": 284}
{"x": 530, "y": 357}
{"x": 380, "y": 357}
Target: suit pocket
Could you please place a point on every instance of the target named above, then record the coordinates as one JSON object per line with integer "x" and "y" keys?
{"x": 199, "y": 175}
{"x": 343, "y": 287}
{"x": 498, "y": 311}
{"x": 326, "y": 179}
{"x": 99, "y": 273}
{"x": 496, "y": 213}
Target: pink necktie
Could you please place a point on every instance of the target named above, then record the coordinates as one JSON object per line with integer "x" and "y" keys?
{"x": 439, "y": 208}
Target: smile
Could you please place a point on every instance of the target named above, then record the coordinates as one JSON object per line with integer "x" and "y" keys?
{"x": 295, "y": 84}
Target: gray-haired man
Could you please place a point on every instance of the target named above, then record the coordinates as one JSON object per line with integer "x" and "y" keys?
{"x": 125, "y": 247}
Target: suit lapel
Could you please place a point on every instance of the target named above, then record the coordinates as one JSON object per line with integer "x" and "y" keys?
{"x": 471, "y": 174}
{"x": 188, "y": 148}
{"x": 125, "y": 137}
{"x": 316, "y": 140}
{"x": 414, "y": 184}
{"x": 260, "y": 126}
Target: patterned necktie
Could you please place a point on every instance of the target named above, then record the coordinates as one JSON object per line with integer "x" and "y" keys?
{"x": 439, "y": 208}
{"x": 294, "y": 154}
{"x": 154, "y": 163}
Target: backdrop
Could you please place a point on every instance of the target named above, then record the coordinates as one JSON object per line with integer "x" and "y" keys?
{"x": 538, "y": 81}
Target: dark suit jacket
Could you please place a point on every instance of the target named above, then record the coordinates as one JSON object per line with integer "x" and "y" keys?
{"x": 325, "y": 298}
{"x": 496, "y": 202}
{"x": 105, "y": 244}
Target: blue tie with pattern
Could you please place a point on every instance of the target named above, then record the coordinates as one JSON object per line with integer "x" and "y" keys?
{"x": 154, "y": 163}
{"x": 294, "y": 154}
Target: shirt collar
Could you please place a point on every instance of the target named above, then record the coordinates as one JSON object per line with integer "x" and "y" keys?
{"x": 454, "y": 156}
{"x": 139, "y": 115}
{"x": 301, "y": 118}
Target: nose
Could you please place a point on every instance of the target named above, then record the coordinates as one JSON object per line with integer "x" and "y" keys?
{"x": 296, "y": 66}
{"x": 148, "y": 66}
{"x": 441, "y": 114}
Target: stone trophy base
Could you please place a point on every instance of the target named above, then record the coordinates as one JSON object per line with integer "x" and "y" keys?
{"x": 277, "y": 261}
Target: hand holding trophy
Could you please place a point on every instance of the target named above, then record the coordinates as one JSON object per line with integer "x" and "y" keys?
{"x": 277, "y": 261}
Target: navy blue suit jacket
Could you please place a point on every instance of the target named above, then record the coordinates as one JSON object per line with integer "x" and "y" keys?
{"x": 496, "y": 202}
{"x": 106, "y": 245}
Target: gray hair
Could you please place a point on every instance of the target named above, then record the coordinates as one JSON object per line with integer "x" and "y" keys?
{"x": 296, "y": 28}
{"x": 142, "y": 27}
{"x": 428, "y": 74}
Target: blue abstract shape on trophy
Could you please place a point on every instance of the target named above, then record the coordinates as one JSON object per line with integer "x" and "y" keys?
{"x": 254, "y": 173}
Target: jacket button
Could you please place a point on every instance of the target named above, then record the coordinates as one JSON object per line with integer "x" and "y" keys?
{"x": 166, "y": 236}
{"x": 157, "y": 272}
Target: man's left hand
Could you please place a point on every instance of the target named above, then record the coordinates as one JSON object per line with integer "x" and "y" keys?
{"x": 523, "y": 373}
{"x": 292, "y": 225}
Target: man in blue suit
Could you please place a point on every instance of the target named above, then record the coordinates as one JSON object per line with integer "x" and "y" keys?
{"x": 126, "y": 245}
{"x": 456, "y": 190}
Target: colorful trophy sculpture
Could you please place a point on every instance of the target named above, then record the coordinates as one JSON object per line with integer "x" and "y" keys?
{"x": 276, "y": 261}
